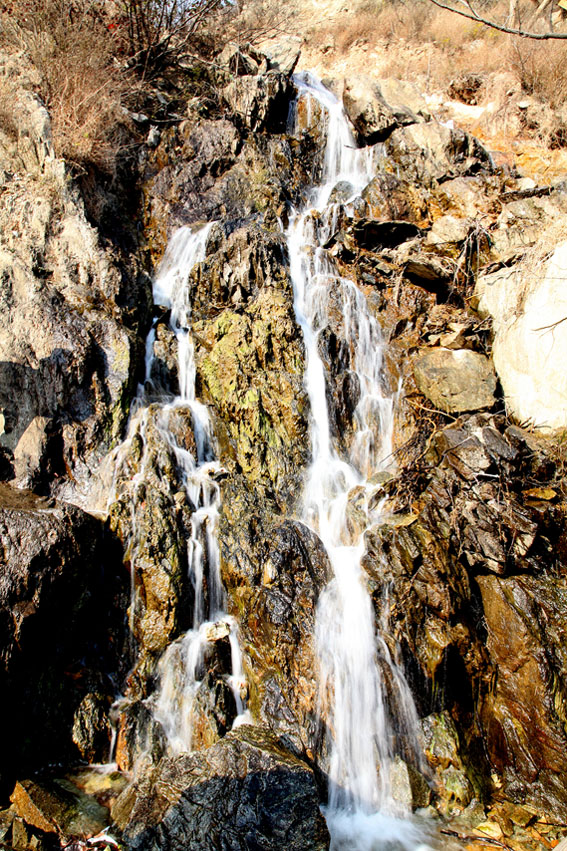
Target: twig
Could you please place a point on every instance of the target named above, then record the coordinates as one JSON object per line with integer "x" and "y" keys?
{"x": 473, "y": 15}
{"x": 471, "y": 837}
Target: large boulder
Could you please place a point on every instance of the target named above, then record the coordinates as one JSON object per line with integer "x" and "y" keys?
{"x": 431, "y": 153}
{"x": 530, "y": 338}
{"x": 377, "y": 107}
{"x": 245, "y": 792}
{"x": 455, "y": 380}
{"x": 274, "y": 573}
{"x": 260, "y": 101}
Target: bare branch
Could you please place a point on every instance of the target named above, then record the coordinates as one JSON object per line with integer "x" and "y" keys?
{"x": 473, "y": 15}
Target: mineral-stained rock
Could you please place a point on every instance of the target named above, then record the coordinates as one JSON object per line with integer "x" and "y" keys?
{"x": 155, "y": 528}
{"x": 455, "y": 379}
{"x": 245, "y": 792}
{"x": 249, "y": 358}
{"x": 442, "y": 751}
{"x": 393, "y": 198}
{"x": 274, "y": 574}
{"x": 523, "y": 715}
{"x": 58, "y": 806}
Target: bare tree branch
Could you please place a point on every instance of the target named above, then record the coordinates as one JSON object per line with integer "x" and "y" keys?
{"x": 473, "y": 15}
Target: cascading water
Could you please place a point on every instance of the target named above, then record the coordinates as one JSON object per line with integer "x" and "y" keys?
{"x": 361, "y": 813}
{"x": 181, "y": 666}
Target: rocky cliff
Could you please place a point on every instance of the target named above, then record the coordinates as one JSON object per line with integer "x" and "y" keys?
{"x": 464, "y": 561}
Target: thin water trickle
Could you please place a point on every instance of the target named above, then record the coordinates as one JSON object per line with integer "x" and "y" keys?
{"x": 362, "y": 812}
{"x": 181, "y": 666}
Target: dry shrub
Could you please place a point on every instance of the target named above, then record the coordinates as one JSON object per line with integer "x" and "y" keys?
{"x": 531, "y": 269}
{"x": 541, "y": 69}
{"x": 357, "y": 29}
{"x": 8, "y": 124}
{"x": 74, "y": 53}
{"x": 254, "y": 21}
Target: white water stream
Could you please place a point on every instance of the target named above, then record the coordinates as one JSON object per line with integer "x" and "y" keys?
{"x": 362, "y": 813}
{"x": 181, "y": 666}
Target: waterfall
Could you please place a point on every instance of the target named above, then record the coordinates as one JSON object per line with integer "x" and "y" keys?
{"x": 181, "y": 667}
{"x": 361, "y": 812}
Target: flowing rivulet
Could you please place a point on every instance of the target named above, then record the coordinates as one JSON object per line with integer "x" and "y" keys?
{"x": 361, "y": 809}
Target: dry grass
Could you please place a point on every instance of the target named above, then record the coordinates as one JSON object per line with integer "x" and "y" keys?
{"x": 541, "y": 69}
{"x": 533, "y": 266}
{"x": 80, "y": 83}
{"x": 419, "y": 39}
{"x": 260, "y": 20}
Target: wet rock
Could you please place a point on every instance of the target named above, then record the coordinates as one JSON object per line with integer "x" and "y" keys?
{"x": 91, "y": 727}
{"x": 246, "y": 790}
{"x": 409, "y": 788}
{"x": 521, "y": 717}
{"x": 456, "y": 380}
{"x": 341, "y": 192}
{"x": 57, "y": 806}
{"x": 442, "y": 751}
{"x": 377, "y": 107}
{"x": 99, "y": 782}
{"x": 139, "y": 736}
{"x": 249, "y": 358}
{"x": 213, "y": 710}
{"x": 274, "y": 575}
{"x": 154, "y": 534}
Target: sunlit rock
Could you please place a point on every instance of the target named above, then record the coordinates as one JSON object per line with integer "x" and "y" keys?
{"x": 455, "y": 379}
{"x": 530, "y": 338}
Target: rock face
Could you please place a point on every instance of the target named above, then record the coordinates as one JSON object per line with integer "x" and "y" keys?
{"x": 530, "y": 338}
{"x": 523, "y": 715}
{"x": 68, "y": 342}
{"x": 249, "y": 358}
{"x": 246, "y": 791}
{"x": 466, "y": 548}
{"x": 376, "y": 107}
{"x": 56, "y": 605}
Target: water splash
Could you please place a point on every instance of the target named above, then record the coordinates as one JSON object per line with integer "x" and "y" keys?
{"x": 362, "y": 813}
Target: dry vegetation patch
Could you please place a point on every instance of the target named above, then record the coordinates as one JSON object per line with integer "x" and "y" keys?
{"x": 74, "y": 55}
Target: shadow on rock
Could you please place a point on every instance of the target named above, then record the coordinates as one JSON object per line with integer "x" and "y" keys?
{"x": 246, "y": 792}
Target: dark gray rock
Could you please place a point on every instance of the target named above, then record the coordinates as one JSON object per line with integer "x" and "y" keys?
{"x": 246, "y": 792}
{"x": 260, "y": 101}
{"x": 56, "y": 609}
